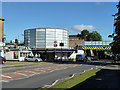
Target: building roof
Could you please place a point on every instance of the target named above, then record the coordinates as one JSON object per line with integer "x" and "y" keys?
{"x": 45, "y": 28}
{"x": 72, "y": 35}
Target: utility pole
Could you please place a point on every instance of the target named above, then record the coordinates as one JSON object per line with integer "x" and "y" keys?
{"x": 85, "y": 45}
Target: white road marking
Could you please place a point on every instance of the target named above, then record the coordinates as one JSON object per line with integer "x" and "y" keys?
{"x": 6, "y": 76}
{"x": 21, "y": 74}
{"x": 54, "y": 82}
{"x": 47, "y": 86}
{"x": 31, "y": 72}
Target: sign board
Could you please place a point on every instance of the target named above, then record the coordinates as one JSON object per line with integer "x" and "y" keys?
{"x": 55, "y": 41}
{"x": 61, "y": 44}
{"x": 55, "y": 45}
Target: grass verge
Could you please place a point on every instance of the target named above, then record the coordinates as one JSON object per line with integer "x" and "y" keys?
{"x": 18, "y": 66}
{"x": 75, "y": 80}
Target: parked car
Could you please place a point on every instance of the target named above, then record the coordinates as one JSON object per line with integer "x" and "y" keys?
{"x": 33, "y": 58}
{"x": 2, "y": 60}
{"x": 81, "y": 57}
{"x": 93, "y": 57}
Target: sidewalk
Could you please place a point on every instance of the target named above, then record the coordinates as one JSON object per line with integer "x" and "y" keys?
{"x": 108, "y": 77}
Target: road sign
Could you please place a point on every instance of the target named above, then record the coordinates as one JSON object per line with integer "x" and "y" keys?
{"x": 55, "y": 45}
{"x": 61, "y": 44}
{"x": 55, "y": 41}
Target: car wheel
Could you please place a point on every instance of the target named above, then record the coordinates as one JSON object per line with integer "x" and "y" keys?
{"x": 36, "y": 60}
{"x": 3, "y": 62}
{"x": 26, "y": 60}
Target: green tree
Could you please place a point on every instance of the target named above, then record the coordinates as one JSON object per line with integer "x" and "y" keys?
{"x": 87, "y": 36}
{"x": 84, "y": 34}
{"x": 79, "y": 36}
{"x": 116, "y": 39}
{"x": 94, "y": 36}
{"x": 16, "y": 41}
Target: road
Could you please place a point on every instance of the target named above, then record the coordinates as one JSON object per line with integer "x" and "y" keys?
{"x": 47, "y": 75}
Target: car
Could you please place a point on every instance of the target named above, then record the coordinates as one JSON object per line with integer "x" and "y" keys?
{"x": 33, "y": 58}
{"x": 93, "y": 57}
{"x": 2, "y": 60}
{"x": 81, "y": 57}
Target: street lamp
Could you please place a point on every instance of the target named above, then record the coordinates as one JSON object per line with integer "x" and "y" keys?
{"x": 85, "y": 45}
{"x": 61, "y": 44}
{"x": 113, "y": 24}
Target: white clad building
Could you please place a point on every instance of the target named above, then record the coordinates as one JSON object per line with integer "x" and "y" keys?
{"x": 40, "y": 38}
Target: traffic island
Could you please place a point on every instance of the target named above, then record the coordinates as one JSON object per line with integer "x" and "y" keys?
{"x": 75, "y": 80}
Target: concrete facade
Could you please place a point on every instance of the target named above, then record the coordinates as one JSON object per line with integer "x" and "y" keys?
{"x": 45, "y": 38}
{"x": 1, "y": 28}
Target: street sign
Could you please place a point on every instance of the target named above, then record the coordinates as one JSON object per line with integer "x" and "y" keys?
{"x": 61, "y": 44}
{"x": 55, "y": 41}
{"x": 55, "y": 45}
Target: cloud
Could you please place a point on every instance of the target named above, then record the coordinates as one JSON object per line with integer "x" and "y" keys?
{"x": 79, "y": 28}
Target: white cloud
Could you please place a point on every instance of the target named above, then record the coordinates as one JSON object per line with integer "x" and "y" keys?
{"x": 79, "y": 28}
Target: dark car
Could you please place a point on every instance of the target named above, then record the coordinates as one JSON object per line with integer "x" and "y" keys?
{"x": 94, "y": 58}
{"x": 2, "y": 60}
{"x": 81, "y": 58}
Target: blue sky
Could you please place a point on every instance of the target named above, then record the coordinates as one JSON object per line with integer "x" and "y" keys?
{"x": 74, "y": 16}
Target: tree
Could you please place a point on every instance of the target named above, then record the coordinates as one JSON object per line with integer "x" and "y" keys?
{"x": 16, "y": 41}
{"x": 87, "y": 36}
{"x": 94, "y": 36}
{"x": 79, "y": 36}
{"x": 84, "y": 33}
{"x": 116, "y": 39}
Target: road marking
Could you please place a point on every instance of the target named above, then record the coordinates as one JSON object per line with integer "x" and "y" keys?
{"x": 47, "y": 86}
{"x": 54, "y": 82}
{"x": 21, "y": 74}
{"x": 91, "y": 68}
{"x": 6, "y": 76}
{"x": 65, "y": 68}
{"x": 31, "y": 72}
{"x": 3, "y": 81}
{"x": 49, "y": 69}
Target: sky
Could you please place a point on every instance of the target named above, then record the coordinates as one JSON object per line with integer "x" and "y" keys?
{"x": 73, "y": 16}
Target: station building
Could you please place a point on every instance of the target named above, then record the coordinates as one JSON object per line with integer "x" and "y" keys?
{"x": 48, "y": 43}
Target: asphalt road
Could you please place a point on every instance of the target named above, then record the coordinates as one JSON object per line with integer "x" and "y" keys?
{"x": 45, "y": 78}
{"x": 10, "y": 70}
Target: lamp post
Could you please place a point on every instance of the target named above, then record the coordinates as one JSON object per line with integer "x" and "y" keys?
{"x": 61, "y": 44}
{"x": 85, "y": 45}
{"x": 113, "y": 25}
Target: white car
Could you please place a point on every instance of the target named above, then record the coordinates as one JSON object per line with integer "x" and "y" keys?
{"x": 33, "y": 58}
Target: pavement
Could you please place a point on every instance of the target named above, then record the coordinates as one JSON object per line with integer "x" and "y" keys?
{"x": 41, "y": 76}
{"x": 47, "y": 73}
{"x": 107, "y": 77}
